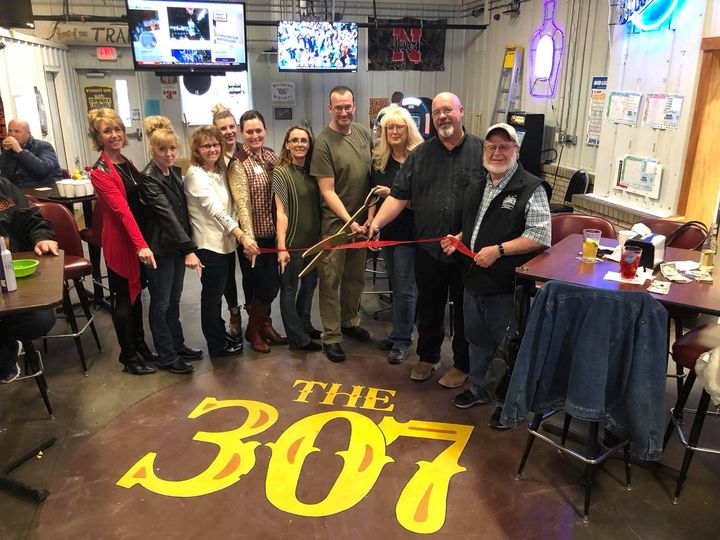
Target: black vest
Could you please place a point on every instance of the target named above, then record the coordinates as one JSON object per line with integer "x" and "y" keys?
{"x": 503, "y": 221}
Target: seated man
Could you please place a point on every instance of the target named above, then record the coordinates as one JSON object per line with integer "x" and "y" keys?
{"x": 24, "y": 229}
{"x": 27, "y": 161}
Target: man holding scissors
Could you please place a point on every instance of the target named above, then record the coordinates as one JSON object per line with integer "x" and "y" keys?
{"x": 341, "y": 163}
{"x": 433, "y": 179}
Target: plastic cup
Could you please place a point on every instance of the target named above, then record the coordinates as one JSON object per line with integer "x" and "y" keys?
{"x": 629, "y": 261}
{"x": 591, "y": 242}
{"x": 624, "y": 236}
{"x": 89, "y": 188}
{"x": 70, "y": 188}
{"x": 61, "y": 187}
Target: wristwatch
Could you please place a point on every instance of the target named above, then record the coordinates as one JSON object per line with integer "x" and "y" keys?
{"x": 501, "y": 249}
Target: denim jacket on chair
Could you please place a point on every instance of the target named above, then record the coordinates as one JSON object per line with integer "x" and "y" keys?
{"x": 600, "y": 355}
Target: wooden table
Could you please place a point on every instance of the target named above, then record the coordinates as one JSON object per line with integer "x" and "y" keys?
{"x": 560, "y": 262}
{"x": 41, "y": 290}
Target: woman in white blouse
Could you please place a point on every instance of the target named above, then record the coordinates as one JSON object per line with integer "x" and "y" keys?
{"x": 215, "y": 232}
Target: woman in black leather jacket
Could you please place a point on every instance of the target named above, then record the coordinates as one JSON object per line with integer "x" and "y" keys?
{"x": 167, "y": 231}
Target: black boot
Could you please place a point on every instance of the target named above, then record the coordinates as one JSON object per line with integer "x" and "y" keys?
{"x": 144, "y": 351}
{"x": 136, "y": 366}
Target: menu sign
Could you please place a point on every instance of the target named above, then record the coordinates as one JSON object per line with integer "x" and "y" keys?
{"x": 98, "y": 97}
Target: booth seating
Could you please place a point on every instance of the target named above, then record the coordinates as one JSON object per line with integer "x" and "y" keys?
{"x": 566, "y": 224}
{"x": 76, "y": 268}
{"x": 686, "y": 352}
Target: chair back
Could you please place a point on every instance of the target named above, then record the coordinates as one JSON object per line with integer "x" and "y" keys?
{"x": 679, "y": 234}
{"x": 578, "y": 185}
{"x": 93, "y": 234}
{"x": 567, "y": 224}
{"x": 548, "y": 189}
{"x": 66, "y": 231}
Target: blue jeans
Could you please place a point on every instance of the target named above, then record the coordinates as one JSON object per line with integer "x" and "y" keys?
{"x": 166, "y": 284}
{"x": 486, "y": 322}
{"x": 296, "y": 302}
{"x": 213, "y": 280}
{"x": 400, "y": 264}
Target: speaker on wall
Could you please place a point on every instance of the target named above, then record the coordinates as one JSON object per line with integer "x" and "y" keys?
{"x": 17, "y": 14}
{"x": 197, "y": 84}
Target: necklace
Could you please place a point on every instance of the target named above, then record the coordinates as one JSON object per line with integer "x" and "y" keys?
{"x": 126, "y": 176}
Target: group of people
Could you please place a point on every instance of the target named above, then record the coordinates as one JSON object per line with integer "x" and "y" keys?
{"x": 240, "y": 196}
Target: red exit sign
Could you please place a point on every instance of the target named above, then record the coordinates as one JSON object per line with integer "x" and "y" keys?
{"x": 106, "y": 53}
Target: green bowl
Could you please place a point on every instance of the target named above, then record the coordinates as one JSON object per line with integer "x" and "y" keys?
{"x": 25, "y": 267}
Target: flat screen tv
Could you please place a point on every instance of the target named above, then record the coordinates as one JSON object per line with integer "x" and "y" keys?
{"x": 187, "y": 36}
{"x": 317, "y": 46}
{"x": 17, "y": 14}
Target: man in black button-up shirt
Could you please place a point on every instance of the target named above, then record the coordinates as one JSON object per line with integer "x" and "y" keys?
{"x": 433, "y": 180}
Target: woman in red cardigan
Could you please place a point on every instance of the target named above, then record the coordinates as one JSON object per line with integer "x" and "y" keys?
{"x": 116, "y": 182}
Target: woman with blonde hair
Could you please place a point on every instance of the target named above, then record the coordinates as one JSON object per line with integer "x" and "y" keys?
{"x": 167, "y": 229}
{"x": 249, "y": 176}
{"x": 399, "y": 135}
{"x": 297, "y": 209}
{"x": 215, "y": 232}
{"x": 224, "y": 120}
{"x": 117, "y": 183}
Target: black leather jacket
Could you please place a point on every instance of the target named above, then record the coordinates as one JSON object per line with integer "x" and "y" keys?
{"x": 167, "y": 227}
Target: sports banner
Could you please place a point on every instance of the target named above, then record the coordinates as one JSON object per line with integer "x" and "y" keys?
{"x": 405, "y": 47}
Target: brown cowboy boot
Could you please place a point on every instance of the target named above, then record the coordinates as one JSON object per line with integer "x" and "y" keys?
{"x": 235, "y": 321}
{"x": 253, "y": 333}
{"x": 269, "y": 333}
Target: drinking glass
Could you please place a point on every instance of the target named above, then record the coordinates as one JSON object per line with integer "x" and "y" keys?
{"x": 629, "y": 261}
{"x": 591, "y": 242}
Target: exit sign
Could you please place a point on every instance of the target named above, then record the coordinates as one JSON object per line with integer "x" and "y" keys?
{"x": 106, "y": 53}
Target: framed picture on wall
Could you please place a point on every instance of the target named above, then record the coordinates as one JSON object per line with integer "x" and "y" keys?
{"x": 283, "y": 113}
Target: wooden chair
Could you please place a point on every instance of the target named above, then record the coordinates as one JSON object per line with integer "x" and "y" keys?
{"x": 76, "y": 268}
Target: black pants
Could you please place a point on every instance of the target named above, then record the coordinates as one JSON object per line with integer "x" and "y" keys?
{"x": 21, "y": 326}
{"x": 265, "y": 276}
{"x": 213, "y": 280}
{"x": 435, "y": 279}
{"x": 127, "y": 316}
{"x": 231, "y": 292}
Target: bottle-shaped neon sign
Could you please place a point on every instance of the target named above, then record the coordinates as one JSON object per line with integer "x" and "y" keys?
{"x": 546, "y": 48}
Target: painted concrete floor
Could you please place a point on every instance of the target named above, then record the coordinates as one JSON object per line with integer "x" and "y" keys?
{"x": 109, "y": 420}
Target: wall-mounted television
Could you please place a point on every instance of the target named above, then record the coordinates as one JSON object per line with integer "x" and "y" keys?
{"x": 187, "y": 36}
{"x": 317, "y": 46}
{"x": 17, "y": 14}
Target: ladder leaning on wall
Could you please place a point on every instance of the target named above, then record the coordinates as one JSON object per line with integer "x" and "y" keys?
{"x": 508, "y": 97}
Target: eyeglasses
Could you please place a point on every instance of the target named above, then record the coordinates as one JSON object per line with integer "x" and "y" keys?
{"x": 342, "y": 108}
{"x": 395, "y": 127}
{"x": 299, "y": 141}
{"x": 445, "y": 110}
{"x": 503, "y": 148}
{"x": 210, "y": 146}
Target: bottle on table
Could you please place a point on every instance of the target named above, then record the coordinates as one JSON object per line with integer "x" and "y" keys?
{"x": 709, "y": 248}
{"x": 7, "y": 273}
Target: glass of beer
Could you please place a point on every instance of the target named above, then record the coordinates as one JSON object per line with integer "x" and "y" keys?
{"x": 629, "y": 261}
{"x": 591, "y": 242}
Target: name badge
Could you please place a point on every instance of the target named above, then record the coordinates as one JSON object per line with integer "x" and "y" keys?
{"x": 258, "y": 169}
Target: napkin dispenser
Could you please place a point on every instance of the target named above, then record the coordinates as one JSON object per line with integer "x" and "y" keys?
{"x": 653, "y": 249}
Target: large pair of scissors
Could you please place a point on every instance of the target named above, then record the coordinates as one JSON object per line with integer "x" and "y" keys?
{"x": 343, "y": 235}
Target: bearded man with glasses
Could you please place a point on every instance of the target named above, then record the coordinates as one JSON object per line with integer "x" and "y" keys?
{"x": 433, "y": 180}
{"x": 506, "y": 220}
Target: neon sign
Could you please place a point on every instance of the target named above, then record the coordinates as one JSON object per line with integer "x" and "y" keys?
{"x": 652, "y": 14}
{"x": 546, "y": 48}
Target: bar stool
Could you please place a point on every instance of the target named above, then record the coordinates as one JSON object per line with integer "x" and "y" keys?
{"x": 686, "y": 351}
{"x": 76, "y": 267}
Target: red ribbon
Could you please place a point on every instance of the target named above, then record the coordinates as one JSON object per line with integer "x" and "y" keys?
{"x": 377, "y": 244}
